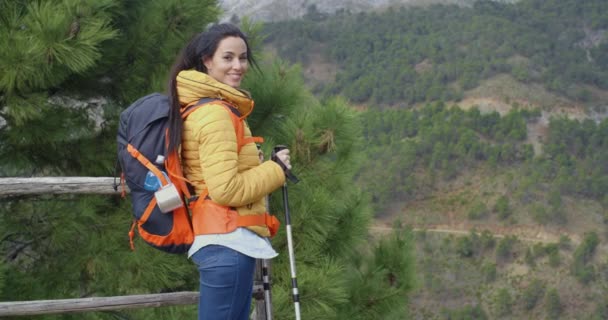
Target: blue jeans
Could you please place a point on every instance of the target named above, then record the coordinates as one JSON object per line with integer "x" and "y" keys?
{"x": 226, "y": 283}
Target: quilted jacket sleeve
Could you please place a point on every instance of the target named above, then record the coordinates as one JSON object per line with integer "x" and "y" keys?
{"x": 232, "y": 179}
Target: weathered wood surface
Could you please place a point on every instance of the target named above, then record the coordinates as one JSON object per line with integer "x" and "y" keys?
{"x": 58, "y": 185}
{"x": 38, "y": 307}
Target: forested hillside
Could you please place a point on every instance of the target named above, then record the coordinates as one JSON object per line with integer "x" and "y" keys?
{"x": 410, "y": 55}
{"x": 508, "y": 198}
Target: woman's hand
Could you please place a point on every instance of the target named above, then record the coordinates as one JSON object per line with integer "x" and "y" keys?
{"x": 283, "y": 157}
{"x": 280, "y": 155}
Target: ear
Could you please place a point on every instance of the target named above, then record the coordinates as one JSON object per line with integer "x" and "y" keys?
{"x": 207, "y": 62}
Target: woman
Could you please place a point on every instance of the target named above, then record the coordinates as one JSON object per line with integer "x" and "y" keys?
{"x": 229, "y": 181}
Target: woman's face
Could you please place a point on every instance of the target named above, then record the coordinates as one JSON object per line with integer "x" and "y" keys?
{"x": 229, "y": 63}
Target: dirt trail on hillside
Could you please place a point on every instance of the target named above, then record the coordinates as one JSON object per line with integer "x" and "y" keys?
{"x": 524, "y": 233}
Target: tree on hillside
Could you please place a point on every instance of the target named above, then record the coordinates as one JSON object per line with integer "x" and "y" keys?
{"x": 454, "y": 48}
{"x": 62, "y": 119}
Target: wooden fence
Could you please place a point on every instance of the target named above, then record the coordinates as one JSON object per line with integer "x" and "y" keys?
{"x": 10, "y": 187}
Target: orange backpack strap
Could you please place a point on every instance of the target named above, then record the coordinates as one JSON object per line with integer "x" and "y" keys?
{"x": 144, "y": 217}
{"x": 209, "y": 217}
{"x": 141, "y": 158}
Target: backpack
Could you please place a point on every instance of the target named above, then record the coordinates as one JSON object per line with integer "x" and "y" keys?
{"x": 142, "y": 136}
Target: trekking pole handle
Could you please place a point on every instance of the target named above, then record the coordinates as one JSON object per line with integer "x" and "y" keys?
{"x": 288, "y": 172}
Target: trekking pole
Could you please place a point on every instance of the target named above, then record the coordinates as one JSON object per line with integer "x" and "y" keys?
{"x": 292, "y": 258}
{"x": 266, "y": 277}
{"x": 266, "y": 267}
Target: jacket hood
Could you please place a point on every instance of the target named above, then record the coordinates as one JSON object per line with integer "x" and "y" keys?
{"x": 193, "y": 85}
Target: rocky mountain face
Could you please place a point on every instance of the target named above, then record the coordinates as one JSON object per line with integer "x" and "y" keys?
{"x": 277, "y": 10}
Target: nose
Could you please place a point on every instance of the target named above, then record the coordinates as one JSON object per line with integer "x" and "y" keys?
{"x": 237, "y": 64}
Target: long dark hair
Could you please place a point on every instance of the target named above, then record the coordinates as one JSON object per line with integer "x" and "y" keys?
{"x": 200, "y": 47}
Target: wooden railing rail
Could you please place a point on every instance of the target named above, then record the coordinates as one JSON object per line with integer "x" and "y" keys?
{"x": 13, "y": 186}
{"x": 58, "y": 185}
{"x": 39, "y": 307}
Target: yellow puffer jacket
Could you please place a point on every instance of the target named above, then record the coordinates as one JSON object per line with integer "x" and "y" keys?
{"x": 209, "y": 149}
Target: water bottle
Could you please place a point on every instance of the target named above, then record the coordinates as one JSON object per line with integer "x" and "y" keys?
{"x": 152, "y": 183}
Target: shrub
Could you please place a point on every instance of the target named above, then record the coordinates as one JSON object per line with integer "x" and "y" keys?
{"x": 530, "y": 257}
{"x": 487, "y": 240}
{"x": 504, "y": 302}
{"x": 532, "y": 294}
{"x": 488, "y": 271}
{"x": 552, "y": 251}
{"x": 478, "y": 211}
{"x": 582, "y": 256}
{"x": 465, "y": 313}
{"x": 565, "y": 242}
{"x": 553, "y": 304}
{"x": 464, "y": 247}
{"x": 505, "y": 245}
{"x": 502, "y": 208}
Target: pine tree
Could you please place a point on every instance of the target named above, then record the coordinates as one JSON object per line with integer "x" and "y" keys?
{"x": 339, "y": 275}
{"x": 60, "y": 111}
{"x": 66, "y": 70}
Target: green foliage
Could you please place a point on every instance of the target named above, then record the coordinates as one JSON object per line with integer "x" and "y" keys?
{"x": 330, "y": 215}
{"x": 601, "y": 310}
{"x": 573, "y": 160}
{"x": 502, "y": 207}
{"x": 59, "y": 141}
{"x": 585, "y": 251}
{"x": 488, "y": 270}
{"x": 436, "y": 52}
{"x": 377, "y": 285}
{"x": 581, "y": 267}
{"x": 553, "y": 305}
{"x": 504, "y": 302}
{"x": 552, "y": 251}
{"x": 464, "y": 247}
{"x": 466, "y": 313}
{"x": 564, "y": 242}
{"x": 3, "y": 274}
{"x": 478, "y": 211}
{"x": 529, "y": 257}
{"x": 67, "y": 247}
{"x": 505, "y": 247}
{"x": 44, "y": 42}
{"x": 432, "y": 139}
{"x": 533, "y": 293}
{"x": 487, "y": 240}
{"x": 152, "y": 33}
{"x": 540, "y": 214}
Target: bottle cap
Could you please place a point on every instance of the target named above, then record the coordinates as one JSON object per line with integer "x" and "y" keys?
{"x": 160, "y": 159}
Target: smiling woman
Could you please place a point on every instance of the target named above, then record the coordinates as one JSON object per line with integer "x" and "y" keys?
{"x": 229, "y": 64}
{"x": 224, "y": 169}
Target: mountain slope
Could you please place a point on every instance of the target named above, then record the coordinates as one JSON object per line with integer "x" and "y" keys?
{"x": 279, "y": 10}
